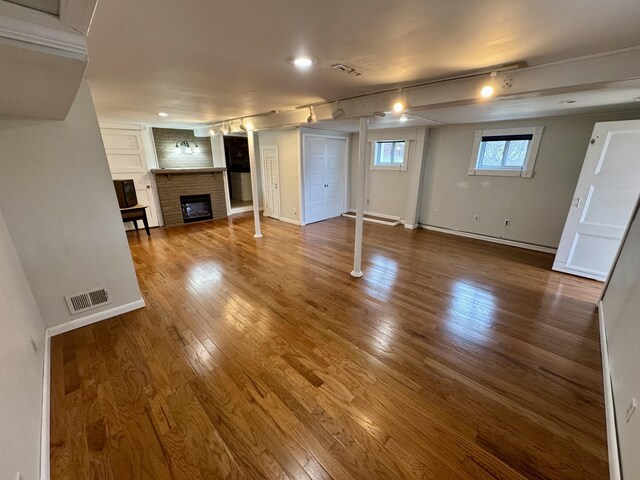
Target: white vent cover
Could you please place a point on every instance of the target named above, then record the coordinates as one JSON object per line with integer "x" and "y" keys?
{"x": 87, "y": 300}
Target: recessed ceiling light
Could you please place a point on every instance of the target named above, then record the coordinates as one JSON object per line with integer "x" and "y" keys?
{"x": 302, "y": 62}
{"x": 163, "y": 114}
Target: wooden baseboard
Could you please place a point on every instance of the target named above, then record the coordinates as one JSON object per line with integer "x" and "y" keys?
{"x": 486, "y": 238}
{"x": 610, "y": 415}
{"x": 96, "y": 317}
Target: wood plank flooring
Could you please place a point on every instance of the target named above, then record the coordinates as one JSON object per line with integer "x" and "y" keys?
{"x": 450, "y": 359}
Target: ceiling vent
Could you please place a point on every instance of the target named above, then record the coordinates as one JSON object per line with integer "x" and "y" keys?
{"x": 87, "y": 300}
{"x": 346, "y": 69}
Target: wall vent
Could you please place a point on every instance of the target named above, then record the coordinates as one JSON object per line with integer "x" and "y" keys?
{"x": 346, "y": 69}
{"x": 87, "y": 300}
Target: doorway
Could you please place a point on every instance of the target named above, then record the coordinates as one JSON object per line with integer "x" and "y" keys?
{"x": 236, "y": 152}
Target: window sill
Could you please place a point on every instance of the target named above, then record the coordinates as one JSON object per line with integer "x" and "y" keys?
{"x": 500, "y": 173}
{"x": 395, "y": 168}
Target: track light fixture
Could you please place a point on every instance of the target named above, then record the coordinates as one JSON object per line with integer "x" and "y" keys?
{"x": 312, "y": 118}
{"x": 487, "y": 90}
{"x": 224, "y": 130}
{"x": 242, "y": 125}
{"x": 399, "y": 105}
{"x": 338, "y": 112}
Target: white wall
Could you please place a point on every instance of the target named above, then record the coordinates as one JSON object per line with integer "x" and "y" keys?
{"x": 386, "y": 191}
{"x": 59, "y": 204}
{"x": 537, "y": 207}
{"x": 621, "y": 306}
{"x": 287, "y": 142}
{"x": 21, "y": 368}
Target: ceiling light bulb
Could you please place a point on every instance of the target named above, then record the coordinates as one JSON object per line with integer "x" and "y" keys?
{"x": 303, "y": 62}
{"x": 242, "y": 127}
{"x": 249, "y": 126}
{"x": 224, "y": 130}
{"x": 212, "y": 131}
{"x": 312, "y": 118}
{"x": 163, "y": 114}
{"x": 398, "y": 106}
{"x": 487, "y": 91}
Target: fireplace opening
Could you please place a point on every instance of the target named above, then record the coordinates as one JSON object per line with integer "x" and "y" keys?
{"x": 196, "y": 208}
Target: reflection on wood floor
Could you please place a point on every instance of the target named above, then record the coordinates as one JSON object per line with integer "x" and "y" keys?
{"x": 451, "y": 359}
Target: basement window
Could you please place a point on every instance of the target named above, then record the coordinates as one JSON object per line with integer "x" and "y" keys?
{"x": 508, "y": 152}
{"x": 389, "y": 155}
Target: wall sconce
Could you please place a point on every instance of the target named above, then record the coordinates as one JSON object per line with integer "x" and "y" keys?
{"x": 184, "y": 147}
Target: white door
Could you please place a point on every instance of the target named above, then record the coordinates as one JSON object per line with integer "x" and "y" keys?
{"x": 324, "y": 177}
{"x": 271, "y": 170}
{"x": 127, "y": 160}
{"x": 604, "y": 200}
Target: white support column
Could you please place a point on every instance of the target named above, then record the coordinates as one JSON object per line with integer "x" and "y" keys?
{"x": 253, "y": 162}
{"x": 360, "y": 181}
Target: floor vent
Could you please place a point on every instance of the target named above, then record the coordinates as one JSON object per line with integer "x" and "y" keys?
{"x": 87, "y": 300}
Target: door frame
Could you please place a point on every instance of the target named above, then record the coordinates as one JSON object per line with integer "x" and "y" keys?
{"x": 264, "y": 181}
{"x": 345, "y": 176}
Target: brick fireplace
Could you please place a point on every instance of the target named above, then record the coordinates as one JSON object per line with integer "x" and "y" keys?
{"x": 178, "y": 186}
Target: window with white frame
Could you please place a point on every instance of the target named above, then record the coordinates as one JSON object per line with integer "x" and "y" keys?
{"x": 505, "y": 152}
{"x": 389, "y": 155}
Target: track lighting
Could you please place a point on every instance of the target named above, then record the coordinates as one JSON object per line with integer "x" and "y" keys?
{"x": 337, "y": 113}
{"x": 196, "y": 148}
{"x": 312, "y": 118}
{"x": 242, "y": 126}
{"x": 487, "y": 90}
{"x": 399, "y": 105}
{"x": 224, "y": 130}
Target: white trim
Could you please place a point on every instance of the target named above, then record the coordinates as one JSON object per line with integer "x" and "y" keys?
{"x": 37, "y": 28}
{"x": 411, "y": 227}
{"x": 78, "y": 14}
{"x": 486, "y": 238}
{"x": 610, "y": 414}
{"x": 387, "y": 219}
{"x": 96, "y": 317}
{"x": 45, "y": 415}
{"x": 527, "y": 169}
{"x": 288, "y": 220}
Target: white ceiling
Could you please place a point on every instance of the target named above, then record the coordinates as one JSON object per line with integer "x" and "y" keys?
{"x": 204, "y": 61}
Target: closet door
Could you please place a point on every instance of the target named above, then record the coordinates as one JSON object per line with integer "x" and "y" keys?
{"x": 324, "y": 177}
{"x": 334, "y": 162}
{"x": 272, "y": 179}
{"x": 314, "y": 184}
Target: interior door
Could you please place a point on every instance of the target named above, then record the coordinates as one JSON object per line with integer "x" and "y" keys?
{"x": 127, "y": 160}
{"x": 272, "y": 178}
{"x": 603, "y": 202}
{"x": 324, "y": 177}
{"x": 335, "y": 159}
{"x": 314, "y": 184}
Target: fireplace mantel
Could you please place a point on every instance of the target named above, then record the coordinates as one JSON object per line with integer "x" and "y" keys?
{"x": 185, "y": 171}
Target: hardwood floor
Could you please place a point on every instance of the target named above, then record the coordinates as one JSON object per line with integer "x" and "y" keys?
{"x": 451, "y": 359}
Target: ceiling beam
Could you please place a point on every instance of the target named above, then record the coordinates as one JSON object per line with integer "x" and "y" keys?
{"x": 580, "y": 74}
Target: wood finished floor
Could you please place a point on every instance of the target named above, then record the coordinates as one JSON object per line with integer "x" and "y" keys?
{"x": 451, "y": 359}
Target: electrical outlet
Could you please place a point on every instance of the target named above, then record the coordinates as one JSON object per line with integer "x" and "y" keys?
{"x": 507, "y": 222}
{"x": 435, "y": 212}
{"x": 476, "y": 218}
{"x": 631, "y": 408}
